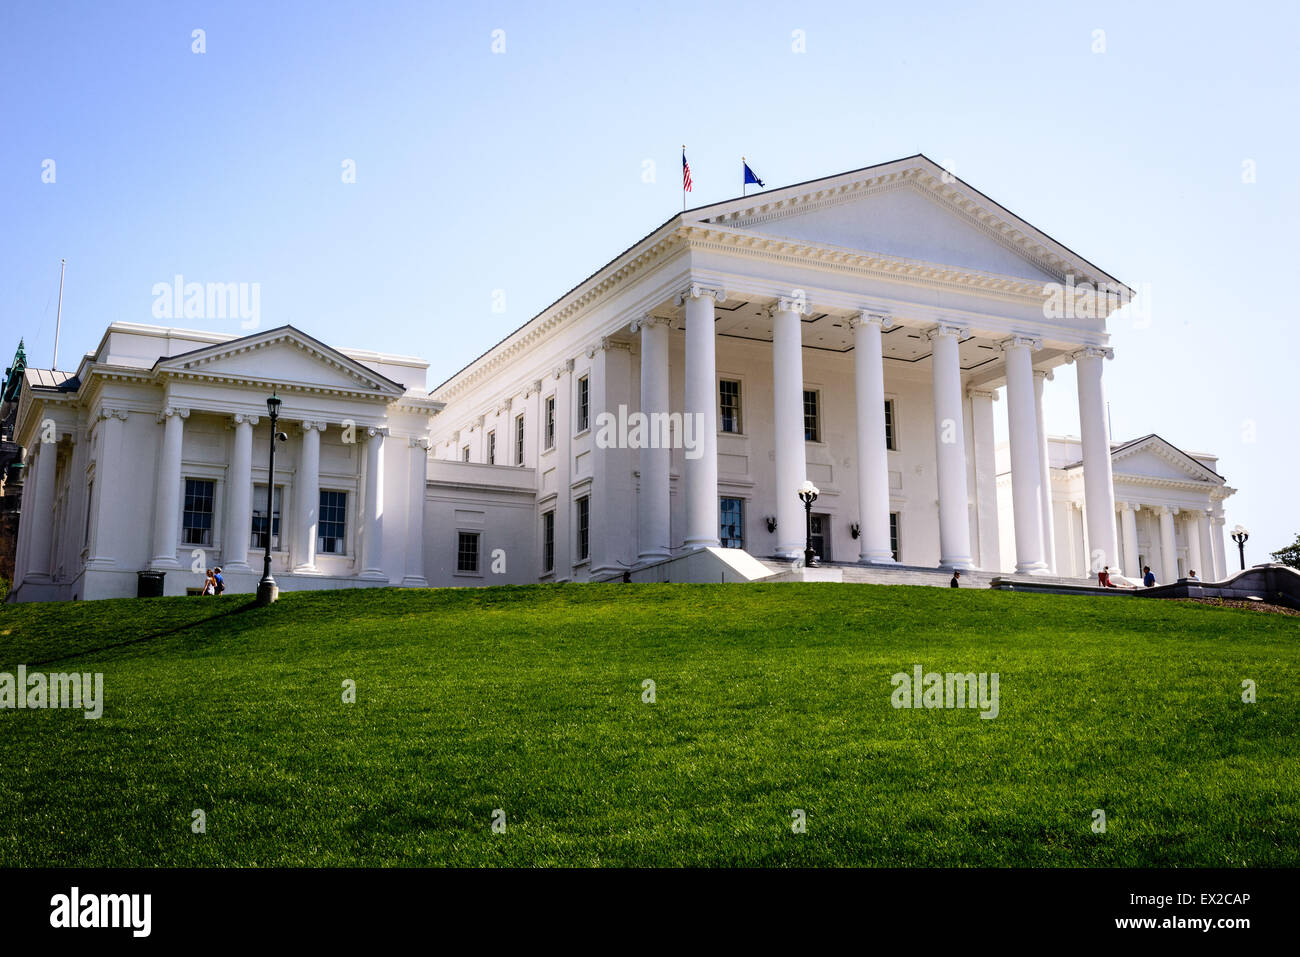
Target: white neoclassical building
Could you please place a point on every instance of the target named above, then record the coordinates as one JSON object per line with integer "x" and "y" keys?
{"x": 657, "y": 420}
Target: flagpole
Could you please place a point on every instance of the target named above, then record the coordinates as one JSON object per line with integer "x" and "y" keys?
{"x": 683, "y": 178}
{"x": 744, "y": 180}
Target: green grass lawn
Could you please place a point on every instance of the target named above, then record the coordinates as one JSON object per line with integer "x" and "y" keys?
{"x": 769, "y": 698}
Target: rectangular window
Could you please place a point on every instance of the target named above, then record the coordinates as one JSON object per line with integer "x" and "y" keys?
{"x": 584, "y": 404}
{"x": 519, "y": 440}
{"x": 464, "y": 454}
{"x": 492, "y": 448}
{"x": 257, "y": 537}
{"x": 196, "y": 528}
{"x": 891, "y": 437}
{"x": 467, "y": 552}
{"x": 731, "y": 513}
{"x": 90, "y": 508}
{"x": 893, "y": 534}
{"x": 811, "y": 419}
{"x": 548, "y": 541}
{"x": 331, "y": 526}
{"x": 584, "y": 535}
{"x": 729, "y": 398}
{"x": 550, "y": 422}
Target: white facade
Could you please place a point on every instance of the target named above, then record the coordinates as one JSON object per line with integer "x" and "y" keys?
{"x": 852, "y": 331}
{"x": 1169, "y": 509}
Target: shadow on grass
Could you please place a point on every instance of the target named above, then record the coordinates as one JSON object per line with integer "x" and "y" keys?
{"x": 81, "y": 652}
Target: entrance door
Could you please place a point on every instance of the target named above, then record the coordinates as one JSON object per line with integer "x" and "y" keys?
{"x": 821, "y": 536}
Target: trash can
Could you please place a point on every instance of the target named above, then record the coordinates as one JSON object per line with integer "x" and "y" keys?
{"x": 149, "y": 584}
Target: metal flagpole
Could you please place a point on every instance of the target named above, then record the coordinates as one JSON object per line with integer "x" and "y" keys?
{"x": 58, "y": 316}
{"x": 683, "y": 177}
{"x": 744, "y": 180}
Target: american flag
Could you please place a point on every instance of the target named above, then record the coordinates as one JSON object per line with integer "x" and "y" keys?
{"x": 686, "y": 172}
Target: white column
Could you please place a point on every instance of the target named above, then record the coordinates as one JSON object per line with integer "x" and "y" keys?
{"x": 612, "y": 525}
{"x": 950, "y": 447}
{"x": 1221, "y": 568}
{"x": 417, "y": 484}
{"x": 1042, "y": 376}
{"x": 873, "y": 455}
{"x": 1026, "y": 474}
{"x": 788, "y": 426}
{"x": 701, "y": 404}
{"x": 106, "y": 541}
{"x": 40, "y": 513}
{"x": 1195, "y": 561}
{"x": 1128, "y": 515}
{"x": 240, "y": 493}
{"x": 1212, "y": 570}
{"x": 654, "y": 532}
{"x": 167, "y": 497}
{"x": 372, "y": 552}
{"x": 306, "y": 493}
{"x": 1168, "y": 552}
{"x": 1094, "y": 430}
{"x": 986, "y": 479}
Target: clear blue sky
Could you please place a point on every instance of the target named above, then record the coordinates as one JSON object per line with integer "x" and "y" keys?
{"x": 522, "y": 171}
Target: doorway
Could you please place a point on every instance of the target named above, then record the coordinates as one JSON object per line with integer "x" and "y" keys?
{"x": 821, "y": 535}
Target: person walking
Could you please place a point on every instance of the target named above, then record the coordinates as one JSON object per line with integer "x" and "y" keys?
{"x": 219, "y": 583}
{"x": 956, "y": 574}
{"x": 209, "y": 584}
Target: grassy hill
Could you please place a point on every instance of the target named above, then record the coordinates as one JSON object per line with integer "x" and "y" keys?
{"x": 769, "y": 698}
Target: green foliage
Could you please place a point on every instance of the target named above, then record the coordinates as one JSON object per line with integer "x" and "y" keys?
{"x": 768, "y": 699}
{"x": 1289, "y": 555}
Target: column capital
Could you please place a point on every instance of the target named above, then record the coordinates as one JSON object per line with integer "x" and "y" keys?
{"x": 312, "y": 425}
{"x": 1021, "y": 342}
{"x": 171, "y": 410}
{"x": 243, "y": 418}
{"x": 649, "y": 322}
{"x": 376, "y": 430}
{"x": 882, "y": 319}
{"x": 795, "y": 304}
{"x": 1127, "y": 507}
{"x": 534, "y": 388}
{"x": 698, "y": 290}
{"x": 562, "y": 368}
{"x": 1046, "y": 374}
{"x": 479, "y": 421}
{"x": 106, "y": 413}
{"x": 983, "y": 394}
{"x": 1090, "y": 352}
{"x": 948, "y": 330}
{"x": 419, "y": 442}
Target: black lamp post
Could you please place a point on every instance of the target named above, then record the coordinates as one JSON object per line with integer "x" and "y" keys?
{"x": 808, "y": 494}
{"x": 1239, "y": 535}
{"x": 267, "y": 590}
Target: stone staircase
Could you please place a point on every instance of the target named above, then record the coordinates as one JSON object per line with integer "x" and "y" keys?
{"x": 851, "y": 572}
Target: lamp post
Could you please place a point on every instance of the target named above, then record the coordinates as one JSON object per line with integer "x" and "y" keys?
{"x": 1239, "y": 535}
{"x": 267, "y": 590}
{"x": 808, "y": 494}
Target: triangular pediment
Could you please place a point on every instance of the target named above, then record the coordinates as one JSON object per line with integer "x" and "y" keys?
{"x": 284, "y": 357}
{"x": 1153, "y": 457}
{"x": 911, "y": 209}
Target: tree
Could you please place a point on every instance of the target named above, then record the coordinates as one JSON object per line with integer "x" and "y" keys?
{"x": 1289, "y": 555}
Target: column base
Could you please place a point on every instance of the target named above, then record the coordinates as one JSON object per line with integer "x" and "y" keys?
{"x": 374, "y": 575}
{"x": 411, "y": 581}
{"x": 965, "y": 564}
{"x": 876, "y": 557}
{"x": 695, "y": 546}
{"x": 305, "y": 570}
{"x": 236, "y": 567}
{"x": 653, "y": 558}
{"x": 163, "y": 564}
{"x": 1032, "y": 568}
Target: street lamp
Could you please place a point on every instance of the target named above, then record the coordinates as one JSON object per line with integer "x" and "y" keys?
{"x": 1239, "y": 535}
{"x": 267, "y": 590}
{"x": 808, "y": 494}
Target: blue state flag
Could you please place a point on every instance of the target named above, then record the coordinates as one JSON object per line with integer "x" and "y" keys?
{"x": 749, "y": 174}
